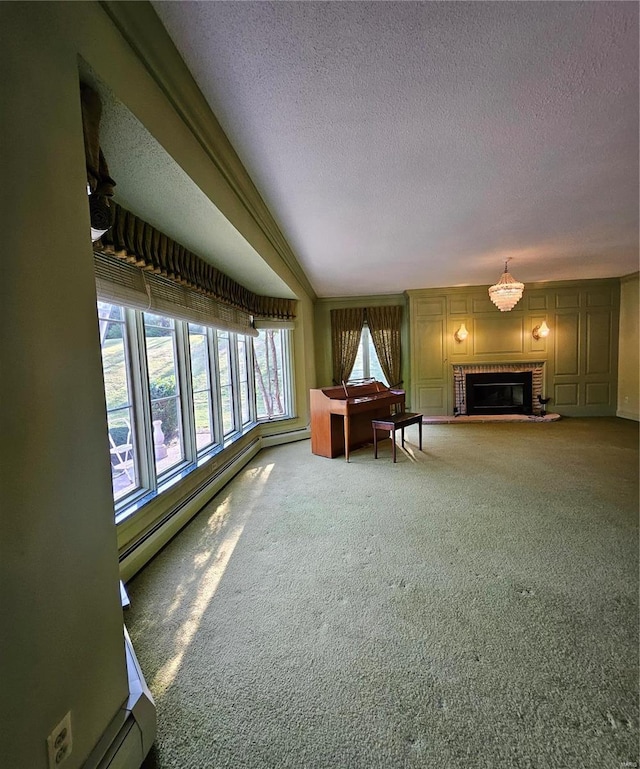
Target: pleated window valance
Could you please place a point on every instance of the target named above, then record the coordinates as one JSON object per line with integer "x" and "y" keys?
{"x": 137, "y": 243}
{"x": 122, "y": 283}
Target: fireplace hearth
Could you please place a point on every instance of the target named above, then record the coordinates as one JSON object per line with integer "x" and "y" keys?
{"x": 499, "y": 393}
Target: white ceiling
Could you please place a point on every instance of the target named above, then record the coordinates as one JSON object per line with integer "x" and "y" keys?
{"x": 418, "y": 144}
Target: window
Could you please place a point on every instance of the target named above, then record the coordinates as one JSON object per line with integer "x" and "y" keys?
{"x": 272, "y": 374}
{"x": 175, "y": 391}
{"x": 201, "y": 386}
{"x": 164, "y": 391}
{"x": 225, "y": 382}
{"x": 367, "y": 364}
{"x": 243, "y": 379}
{"x": 119, "y": 398}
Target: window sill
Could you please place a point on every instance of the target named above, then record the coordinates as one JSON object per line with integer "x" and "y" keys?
{"x": 180, "y": 474}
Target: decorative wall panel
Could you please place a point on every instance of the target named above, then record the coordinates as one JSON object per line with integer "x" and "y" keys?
{"x": 499, "y": 335}
{"x": 483, "y": 304}
{"x": 579, "y": 356}
{"x": 459, "y": 306}
{"x": 433, "y": 306}
{"x": 567, "y": 349}
{"x": 597, "y": 393}
{"x": 429, "y": 345}
{"x": 566, "y": 300}
{"x": 598, "y": 342}
{"x": 565, "y": 394}
{"x": 599, "y": 298}
{"x": 431, "y": 399}
{"x": 536, "y": 301}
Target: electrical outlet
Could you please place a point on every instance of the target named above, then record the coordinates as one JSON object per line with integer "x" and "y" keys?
{"x": 59, "y": 742}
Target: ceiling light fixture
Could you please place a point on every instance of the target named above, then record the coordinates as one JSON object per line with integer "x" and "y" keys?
{"x": 507, "y": 292}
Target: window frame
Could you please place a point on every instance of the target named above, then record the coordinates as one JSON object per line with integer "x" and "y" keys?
{"x": 150, "y": 481}
{"x": 131, "y": 395}
{"x": 250, "y": 390}
{"x": 288, "y": 389}
{"x": 181, "y": 358}
{"x": 209, "y": 389}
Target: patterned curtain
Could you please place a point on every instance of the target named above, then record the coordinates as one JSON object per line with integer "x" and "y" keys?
{"x": 384, "y": 325}
{"x": 98, "y": 179}
{"x": 346, "y": 330}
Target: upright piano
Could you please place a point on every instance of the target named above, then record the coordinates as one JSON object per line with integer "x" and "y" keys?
{"x": 341, "y": 416}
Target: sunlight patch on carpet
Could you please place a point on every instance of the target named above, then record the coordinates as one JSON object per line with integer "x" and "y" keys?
{"x": 210, "y": 579}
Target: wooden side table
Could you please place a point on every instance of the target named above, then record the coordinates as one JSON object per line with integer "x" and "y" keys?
{"x": 393, "y": 423}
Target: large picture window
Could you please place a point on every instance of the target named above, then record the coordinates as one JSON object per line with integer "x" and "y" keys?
{"x": 176, "y": 392}
{"x": 244, "y": 389}
{"x": 164, "y": 391}
{"x": 201, "y": 386}
{"x": 272, "y": 373}
{"x": 119, "y": 399}
{"x": 225, "y": 382}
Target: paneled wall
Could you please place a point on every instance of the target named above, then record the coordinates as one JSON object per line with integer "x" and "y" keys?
{"x": 629, "y": 349}
{"x": 580, "y": 354}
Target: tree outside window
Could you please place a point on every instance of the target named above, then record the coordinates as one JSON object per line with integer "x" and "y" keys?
{"x": 174, "y": 389}
{"x": 270, "y": 372}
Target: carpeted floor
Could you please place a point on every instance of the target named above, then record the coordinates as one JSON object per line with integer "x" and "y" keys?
{"x": 475, "y": 605}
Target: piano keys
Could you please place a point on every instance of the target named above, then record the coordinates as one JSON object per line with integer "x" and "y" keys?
{"x": 341, "y": 416}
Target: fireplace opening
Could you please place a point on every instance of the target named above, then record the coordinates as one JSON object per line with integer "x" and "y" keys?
{"x": 499, "y": 393}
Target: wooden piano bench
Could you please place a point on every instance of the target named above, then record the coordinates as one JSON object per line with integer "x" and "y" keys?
{"x": 391, "y": 424}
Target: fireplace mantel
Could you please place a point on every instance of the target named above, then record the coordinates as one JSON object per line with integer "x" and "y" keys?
{"x": 461, "y": 370}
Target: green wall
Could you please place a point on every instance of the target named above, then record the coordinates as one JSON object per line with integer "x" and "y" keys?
{"x": 629, "y": 367}
{"x": 62, "y": 645}
{"x": 590, "y": 356}
{"x": 580, "y": 354}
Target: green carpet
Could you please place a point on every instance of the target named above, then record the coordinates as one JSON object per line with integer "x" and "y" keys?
{"x": 475, "y": 605}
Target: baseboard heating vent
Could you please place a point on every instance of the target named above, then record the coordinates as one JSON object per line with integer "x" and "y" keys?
{"x": 129, "y": 736}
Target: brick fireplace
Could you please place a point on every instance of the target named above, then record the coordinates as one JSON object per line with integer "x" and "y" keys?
{"x": 536, "y": 369}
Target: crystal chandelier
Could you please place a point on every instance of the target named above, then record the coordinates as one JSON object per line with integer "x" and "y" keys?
{"x": 507, "y": 292}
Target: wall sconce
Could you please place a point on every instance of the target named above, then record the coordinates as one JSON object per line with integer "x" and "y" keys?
{"x": 541, "y": 331}
{"x": 461, "y": 334}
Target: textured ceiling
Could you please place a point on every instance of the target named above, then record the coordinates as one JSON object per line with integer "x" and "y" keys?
{"x": 152, "y": 185}
{"x": 417, "y": 144}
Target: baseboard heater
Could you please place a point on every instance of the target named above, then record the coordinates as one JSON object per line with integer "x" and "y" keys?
{"x": 302, "y": 434}
{"x": 128, "y": 738}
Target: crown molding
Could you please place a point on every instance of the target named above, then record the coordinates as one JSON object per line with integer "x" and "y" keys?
{"x": 140, "y": 26}
{"x": 364, "y": 300}
{"x": 532, "y": 286}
